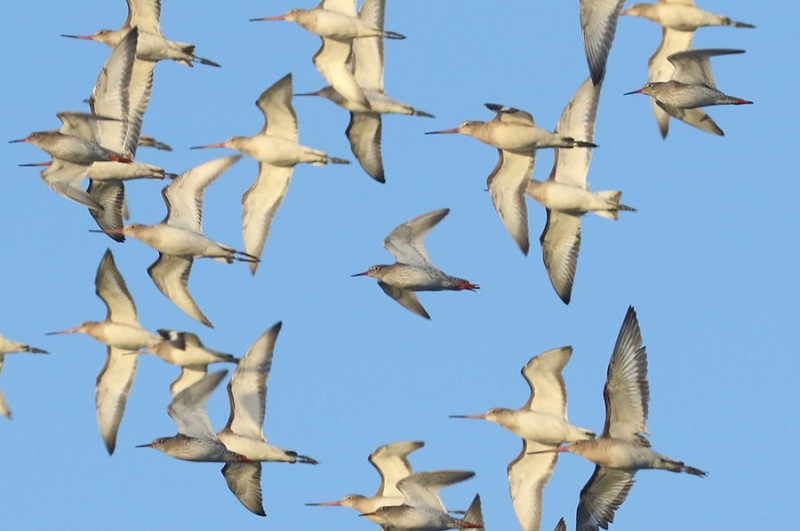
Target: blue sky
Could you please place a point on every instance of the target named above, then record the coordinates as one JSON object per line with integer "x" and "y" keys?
{"x": 709, "y": 261}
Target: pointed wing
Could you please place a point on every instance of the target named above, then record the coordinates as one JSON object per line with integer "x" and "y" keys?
{"x": 244, "y": 480}
{"x": 694, "y": 67}
{"x": 527, "y": 476}
{"x": 247, "y": 390}
{"x": 260, "y": 204}
{"x": 171, "y": 276}
{"x": 548, "y": 390}
{"x": 598, "y": 25}
{"x": 408, "y": 299}
{"x": 189, "y": 376}
{"x": 139, "y": 91}
{"x": 660, "y": 69}
{"x": 113, "y": 387}
{"x": 507, "y": 184}
{"x": 111, "y": 196}
{"x": 188, "y": 408}
{"x": 145, "y": 14}
{"x": 77, "y": 124}
{"x": 184, "y": 195}
{"x": 391, "y": 462}
{"x": 368, "y": 55}
{"x": 627, "y": 392}
{"x": 577, "y": 121}
{"x": 111, "y": 288}
{"x": 474, "y": 514}
{"x": 406, "y": 242}
{"x": 364, "y": 134}
{"x": 508, "y": 114}
{"x": 561, "y": 242}
{"x": 422, "y": 489}
{"x": 696, "y": 117}
{"x": 5, "y": 411}
{"x": 64, "y": 178}
{"x": 111, "y": 97}
{"x": 601, "y": 497}
{"x": 347, "y": 7}
{"x": 276, "y": 103}
{"x": 332, "y": 62}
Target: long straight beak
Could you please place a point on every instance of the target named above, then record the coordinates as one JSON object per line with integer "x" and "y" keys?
{"x": 481, "y": 417}
{"x": 67, "y": 331}
{"x": 276, "y": 17}
{"x": 557, "y": 450}
{"x": 32, "y": 164}
{"x": 83, "y": 37}
{"x": 18, "y": 140}
{"x": 148, "y": 445}
{"x": 307, "y": 94}
{"x": 217, "y": 145}
{"x": 443, "y": 132}
{"x": 108, "y": 231}
{"x": 360, "y": 274}
{"x": 337, "y": 503}
{"x": 634, "y": 92}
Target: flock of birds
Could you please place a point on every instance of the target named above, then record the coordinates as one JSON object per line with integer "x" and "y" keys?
{"x": 101, "y": 146}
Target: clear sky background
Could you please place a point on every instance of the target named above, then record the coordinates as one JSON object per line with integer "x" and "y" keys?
{"x": 709, "y": 261}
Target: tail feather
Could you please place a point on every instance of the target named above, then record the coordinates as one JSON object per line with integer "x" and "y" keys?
{"x": 422, "y": 113}
{"x": 674, "y": 465}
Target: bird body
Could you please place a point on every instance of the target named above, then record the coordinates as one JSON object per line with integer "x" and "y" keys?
{"x": 690, "y": 87}
{"x": 622, "y": 448}
{"x": 515, "y": 131}
{"x": 178, "y": 241}
{"x": 688, "y": 96}
{"x": 195, "y": 440}
{"x": 185, "y": 349}
{"x": 391, "y": 462}
{"x": 118, "y": 335}
{"x": 179, "y": 237}
{"x": 537, "y": 426}
{"x": 571, "y": 199}
{"x": 187, "y": 448}
{"x": 681, "y": 15}
{"x": 124, "y": 336}
{"x": 566, "y": 195}
{"x": 414, "y": 270}
{"x": 542, "y": 424}
{"x": 277, "y": 149}
{"x": 71, "y": 148}
{"x": 628, "y": 456}
{"x": 153, "y": 46}
{"x": 422, "y": 508}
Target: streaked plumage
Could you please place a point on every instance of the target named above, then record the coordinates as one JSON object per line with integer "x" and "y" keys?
{"x": 690, "y": 87}
{"x": 414, "y": 270}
